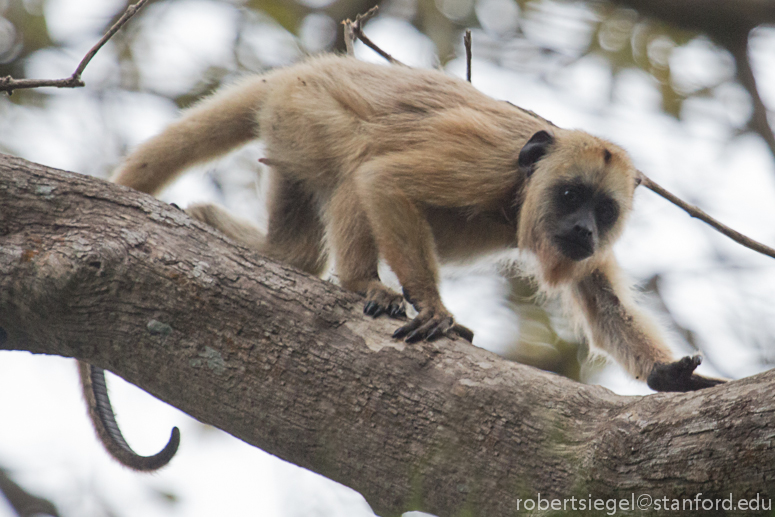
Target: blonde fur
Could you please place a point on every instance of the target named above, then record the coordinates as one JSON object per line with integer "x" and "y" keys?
{"x": 414, "y": 167}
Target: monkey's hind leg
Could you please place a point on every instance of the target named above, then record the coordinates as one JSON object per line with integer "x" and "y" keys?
{"x": 104, "y": 421}
{"x": 357, "y": 257}
{"x": 238, "y": 230}
{"x": 295, "y": 234}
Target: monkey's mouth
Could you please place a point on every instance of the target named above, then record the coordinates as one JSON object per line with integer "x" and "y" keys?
{"x": 574, "y": 248}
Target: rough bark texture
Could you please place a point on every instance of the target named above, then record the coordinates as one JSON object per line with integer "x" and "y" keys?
{"x": 289, "y": 364}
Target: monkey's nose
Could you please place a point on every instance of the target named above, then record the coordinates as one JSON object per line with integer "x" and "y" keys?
{"x": 582, "y": 231}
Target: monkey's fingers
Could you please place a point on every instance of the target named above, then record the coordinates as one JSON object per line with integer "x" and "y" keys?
{"x": 432, "y": 330}
{"x": 680, "y": 376}
{"x": 373, "y": 309}
{"x": 699, "y": 382}
{"x": 464, "y": 332}
{"x": 408, "y": 328}
{"x": 381, "y": 301}
{"x": 397, "y": 310}
{"x": 431, "y": 327}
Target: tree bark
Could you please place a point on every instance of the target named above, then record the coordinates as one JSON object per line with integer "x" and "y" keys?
{"x": 288, "y": 363}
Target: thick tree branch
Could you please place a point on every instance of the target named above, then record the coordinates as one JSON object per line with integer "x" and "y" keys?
{"x": 289, "y": 364}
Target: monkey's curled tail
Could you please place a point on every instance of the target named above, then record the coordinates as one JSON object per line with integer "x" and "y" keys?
{"x": 104, "y": 421}
{"x": 210, "y": 129}
{"x": 213, "y": 127}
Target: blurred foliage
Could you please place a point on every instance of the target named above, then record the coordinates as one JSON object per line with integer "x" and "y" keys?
{"x": 540, "y": 342}
{"x": 23, "y": 30}
{"x": 621, "y": 36}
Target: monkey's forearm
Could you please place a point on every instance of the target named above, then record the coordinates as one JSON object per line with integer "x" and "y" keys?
{"x": 616, "y": 326}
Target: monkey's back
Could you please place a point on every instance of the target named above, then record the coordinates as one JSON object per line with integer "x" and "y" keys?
{"x": 327, "y": 116}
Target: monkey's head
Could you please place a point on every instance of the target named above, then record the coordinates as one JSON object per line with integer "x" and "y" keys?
{"x": 577, "y": 195}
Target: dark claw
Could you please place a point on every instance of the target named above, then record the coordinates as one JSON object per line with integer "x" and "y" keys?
{"x": 409, "y": 328}
{"x": 428, "y": 329}
{"x": 373, "y": 309}
{"x": 414, "y": 336}
{"x": 432, "y": 329}
{"x": 397, "y": 311}
{"x": 399, "y": 333}
{"x": 435, "y": 334}
{"x": 440, "y": 329}
{"x": 421, "y": 332}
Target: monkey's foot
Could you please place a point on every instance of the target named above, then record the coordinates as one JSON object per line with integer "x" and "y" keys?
{"x": 679, "y": 376}
{"x": 431, "y": 325}
{"x": 381, "y": 300}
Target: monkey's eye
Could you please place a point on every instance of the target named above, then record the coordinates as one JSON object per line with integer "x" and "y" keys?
{"x": 606, "y": 212}
{"x": 571, "y": 197}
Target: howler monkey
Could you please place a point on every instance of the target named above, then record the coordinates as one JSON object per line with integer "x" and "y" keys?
{"x": 412, "y": 166}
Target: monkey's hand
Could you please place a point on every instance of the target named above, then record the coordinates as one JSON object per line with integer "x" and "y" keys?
{"x": 679, "y": 376}
{"x": 381, "y": 300}
{"x": 431, "y": 324}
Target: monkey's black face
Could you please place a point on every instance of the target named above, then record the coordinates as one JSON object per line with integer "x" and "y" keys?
{"x": 583, "y": 216}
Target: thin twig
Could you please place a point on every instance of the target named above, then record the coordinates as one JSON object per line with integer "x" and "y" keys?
{"x": 467, "y": 44}
{"x": 699, "y": 214}
{"x": 349, "y": 37}
{"x": 357, "y": 30}
{"x": 9, "y": 84}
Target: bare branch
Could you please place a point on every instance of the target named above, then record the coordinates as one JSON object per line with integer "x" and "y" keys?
{"x": 24, "y": 503}
{"x": 467, "y": 43}
{"x": 356, "y": 28}
{"x": 9, "y": 84}
{"x": 349, "y": 37}
{"x": 699, "y": 214}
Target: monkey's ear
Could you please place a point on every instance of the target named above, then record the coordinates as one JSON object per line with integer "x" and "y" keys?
{"x": 534, "y": 150}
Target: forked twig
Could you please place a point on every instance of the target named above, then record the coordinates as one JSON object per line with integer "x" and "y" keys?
{"x": 699, "y": 214}
{"x": 9, "y": 84}
{"x": 354, "y": 29}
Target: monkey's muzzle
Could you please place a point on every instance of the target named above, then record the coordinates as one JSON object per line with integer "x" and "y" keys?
{"x": 576, "y": 245}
